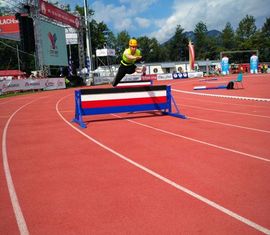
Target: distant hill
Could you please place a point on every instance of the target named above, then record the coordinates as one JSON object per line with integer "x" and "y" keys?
{"x": 214, "y": 33}
{"x": 211, "y": 33}
{"x": 191, "y": 35}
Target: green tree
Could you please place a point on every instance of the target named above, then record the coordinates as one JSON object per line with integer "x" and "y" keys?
{"x": 227, "y": 37}
{"x": 201, "y": 40}
{"x": 80, "y": 11}
{"x": 265, "y": 46}
{"x": 178, "y": 45}
{"x": 261, "y": 41}
{"x": 211, "y": 48}
{"x": 8, "y": 55}
{"x": 98, "y": 35}
{"x": 245, "y": 31}
{"x": 122, "y": 40}
{"x": 110, "y": 39}
{"x": 150, "y": 49}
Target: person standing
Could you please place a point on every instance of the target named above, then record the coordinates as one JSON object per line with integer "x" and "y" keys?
{"x": 254, "y": 64}
{"x": 225, "y": 65}
{"x": 130, "y": 56}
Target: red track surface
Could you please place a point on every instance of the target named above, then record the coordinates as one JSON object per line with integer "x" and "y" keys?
{"x": 138, "y": 173}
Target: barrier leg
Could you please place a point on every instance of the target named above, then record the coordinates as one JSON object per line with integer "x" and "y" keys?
{"x": 169, "y": 100}
{"x": 78, "y": 111}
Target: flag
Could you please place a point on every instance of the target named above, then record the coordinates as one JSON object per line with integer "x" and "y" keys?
{"x": 191, "y": 55}
{"x": 70, "y": 73}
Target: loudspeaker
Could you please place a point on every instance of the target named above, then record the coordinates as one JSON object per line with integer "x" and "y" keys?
{"x": 26, "y": 26}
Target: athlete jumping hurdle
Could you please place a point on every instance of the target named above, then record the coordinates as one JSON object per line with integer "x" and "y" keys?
{"x": 127, "y": 66}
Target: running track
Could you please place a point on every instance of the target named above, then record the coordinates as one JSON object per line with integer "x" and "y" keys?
{"x": 138, "y": 173}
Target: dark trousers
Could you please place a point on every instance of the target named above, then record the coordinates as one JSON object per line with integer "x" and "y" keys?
{"x": 122, "y": 71}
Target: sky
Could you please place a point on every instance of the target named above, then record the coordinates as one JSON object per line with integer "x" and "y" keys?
{"x": 159, "y": 18}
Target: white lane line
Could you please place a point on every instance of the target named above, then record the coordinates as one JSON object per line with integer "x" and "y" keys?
{"x": 168, "y": 181}
{"x": 231, "y": 125}
{"x": 11, "y": 189}
{"x": 195, "y": 140}
{"x": 197, "y": 99}
{"x": 224, "y": 96}
{"x": 225, "y": 111}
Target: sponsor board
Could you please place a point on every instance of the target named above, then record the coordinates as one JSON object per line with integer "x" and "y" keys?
{"x": 195, "y": 74}
{"x": 105, "y": 52}
{"x": 167, "y": 76}
{"x": 31, "y": 84}
{"x": 53, "y": 83}
{"x": 132, "y": 78}
{"x": 148, "y": 77}
{"x": 53, "y": 44}
{"x": 180, "y": 75}
{"x": 71, "y": 36}
{"x": 103, "y": 80}
{"x": 58, "y": 14}
{"x": 9, "y": 28}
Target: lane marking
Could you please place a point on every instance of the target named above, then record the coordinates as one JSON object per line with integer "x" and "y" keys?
{"x": 224, "y": 96}
{"x": 11, "y": 189}
{"x": 198, "y": 99}
{"x": 224, "y": 111}
{"x": 194, "y": 140}
{"x": 168, "y": 181}
{"x": 231, "y": 125}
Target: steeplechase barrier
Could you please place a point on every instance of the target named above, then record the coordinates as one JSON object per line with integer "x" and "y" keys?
{"x": 120, "y": 100}
{"x": 210, "y": 87}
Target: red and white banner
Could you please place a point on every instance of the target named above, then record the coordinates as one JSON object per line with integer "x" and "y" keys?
{"x": 9, "y": 28}
{"x": 149, "y": 77}
{"x": 191, "y": 55}
{"x": 58, "y": 14}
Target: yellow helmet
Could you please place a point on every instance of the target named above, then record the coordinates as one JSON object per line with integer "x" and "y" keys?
{"x": 133, "y": 42}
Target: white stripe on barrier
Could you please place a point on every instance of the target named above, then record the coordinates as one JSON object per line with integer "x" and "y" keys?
{"x": 123, "y": 95}
{"x": 134, "y": 84}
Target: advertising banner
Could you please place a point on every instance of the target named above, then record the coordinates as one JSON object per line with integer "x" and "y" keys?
{"x": 129, "y": 77}
{"x": 147, "y": 77}
{"x": 58, "y": 14}
{"x": 9, "y": 28}
{"x": 180, "y": 75}
{"x": 105, "y": 52}
{"x": 53, "y": 44}
{"x": 103, "y": 80}
{"x": 31, "y": 84}
{"x": 166, "y": 76}
{"x": 195, "y": 74}
{"x": 71, "y": 36}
